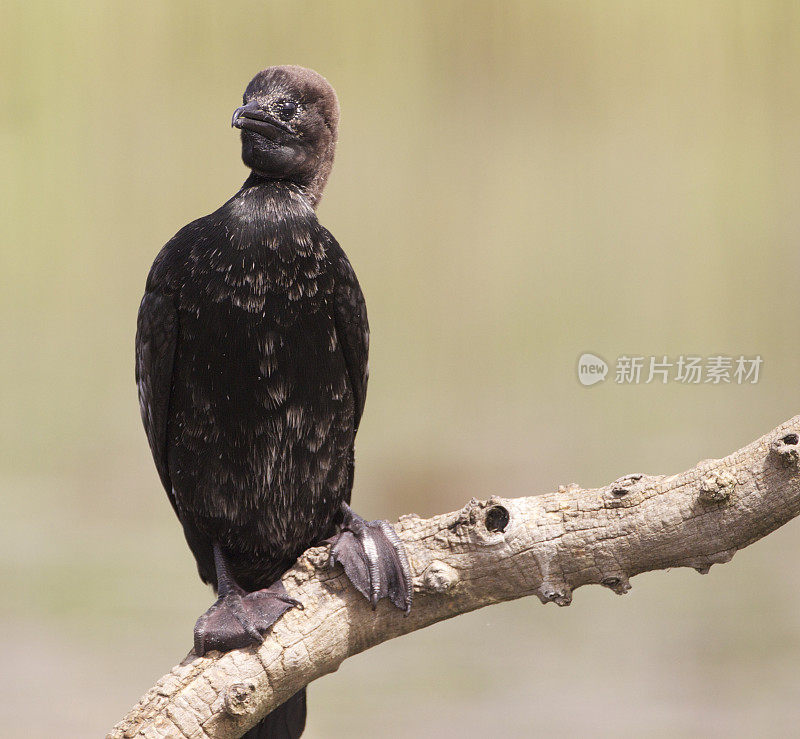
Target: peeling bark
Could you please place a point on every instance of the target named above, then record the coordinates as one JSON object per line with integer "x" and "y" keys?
{"x": 489, "y": 551}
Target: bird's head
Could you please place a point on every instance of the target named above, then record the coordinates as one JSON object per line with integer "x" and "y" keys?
{"x": 289, "y": 122}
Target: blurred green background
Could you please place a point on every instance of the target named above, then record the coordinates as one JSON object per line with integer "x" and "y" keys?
{"x": 516, "y": 183}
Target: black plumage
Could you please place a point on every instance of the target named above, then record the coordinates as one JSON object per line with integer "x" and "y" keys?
{"x": 251, "y": 363}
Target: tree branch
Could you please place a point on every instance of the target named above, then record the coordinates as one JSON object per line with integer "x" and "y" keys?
{"x": 487, "y": 552}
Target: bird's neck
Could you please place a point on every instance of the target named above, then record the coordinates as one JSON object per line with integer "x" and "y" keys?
{"x": 262, "y": 204}
{"x": 276, "y": 189}
{"x": 259, "y": 192}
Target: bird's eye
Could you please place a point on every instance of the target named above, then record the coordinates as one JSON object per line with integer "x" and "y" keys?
{"x": 286, "y": 109}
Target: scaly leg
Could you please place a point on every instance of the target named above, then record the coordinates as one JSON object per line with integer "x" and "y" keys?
{"x": 238, "y": 618}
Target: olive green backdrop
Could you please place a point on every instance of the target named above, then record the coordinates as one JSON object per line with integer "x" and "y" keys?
{"x": 516, "y": 183}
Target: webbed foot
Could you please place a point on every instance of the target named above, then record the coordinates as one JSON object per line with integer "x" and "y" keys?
{"x": 239, "y": 618}
{"x": 374, "y": 560}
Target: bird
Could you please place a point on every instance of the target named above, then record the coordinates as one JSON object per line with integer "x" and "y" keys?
{"x": 252, "y": 349}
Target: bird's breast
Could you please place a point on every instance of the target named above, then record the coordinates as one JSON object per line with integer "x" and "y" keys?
{"x": 258, "y": 344}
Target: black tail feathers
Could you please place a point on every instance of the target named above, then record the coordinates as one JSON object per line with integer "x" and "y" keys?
{"x": 287, "y": 721}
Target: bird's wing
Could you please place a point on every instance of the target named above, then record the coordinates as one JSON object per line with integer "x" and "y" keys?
{"x": 352, "y": 331}
{"x": 156, "y": 338}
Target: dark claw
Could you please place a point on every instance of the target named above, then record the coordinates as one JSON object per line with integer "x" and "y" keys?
{"x": 374, "y": 560}
{"x": 239, "y": 619}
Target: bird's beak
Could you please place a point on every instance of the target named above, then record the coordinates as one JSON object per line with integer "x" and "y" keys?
{"x": 252, "y": 117}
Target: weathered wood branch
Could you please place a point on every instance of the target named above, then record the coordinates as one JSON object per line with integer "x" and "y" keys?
{"x": 487, "y": 552}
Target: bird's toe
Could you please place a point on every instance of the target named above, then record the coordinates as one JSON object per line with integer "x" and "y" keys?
{"x": 374, "y": 560}
{"x": 237, "y": 621}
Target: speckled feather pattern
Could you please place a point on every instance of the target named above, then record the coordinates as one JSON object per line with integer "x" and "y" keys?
{"x": 252, "y": 368}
